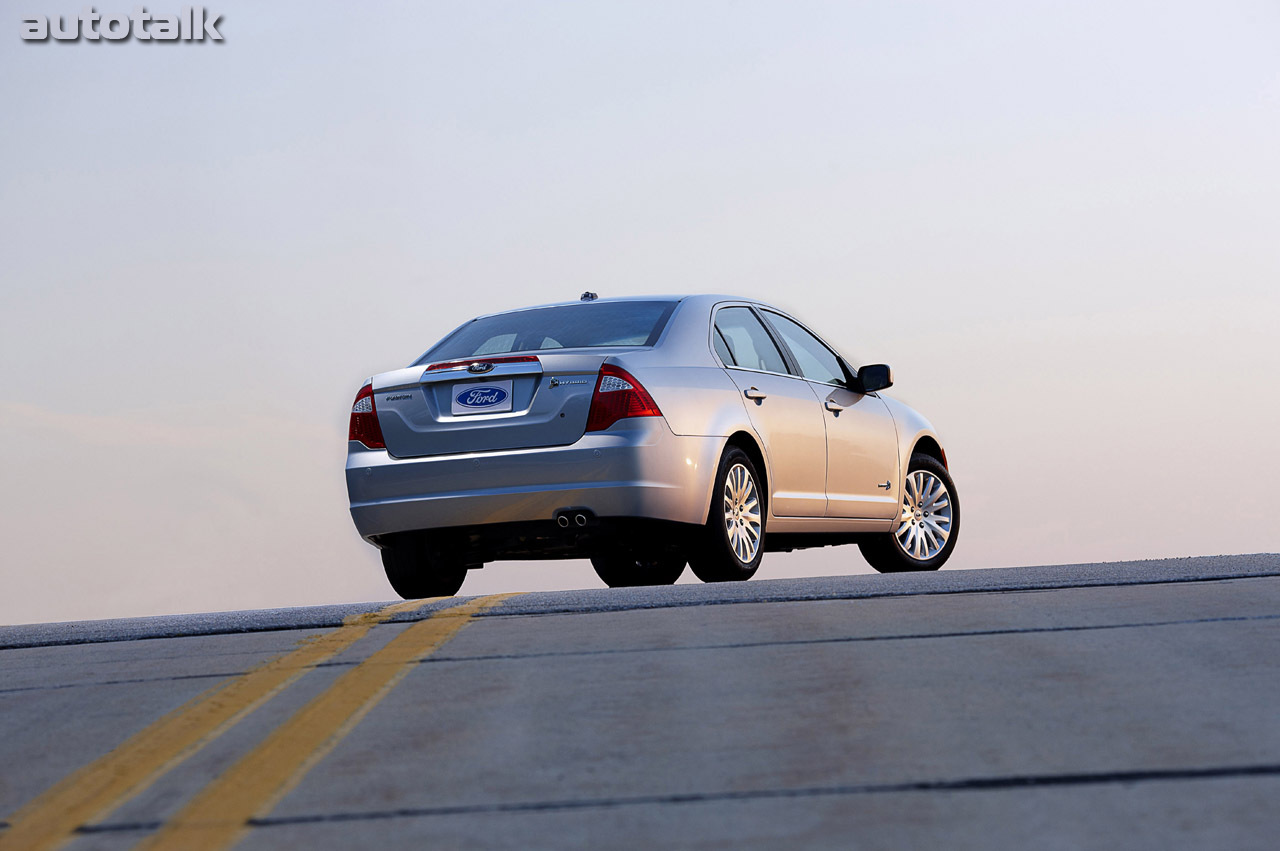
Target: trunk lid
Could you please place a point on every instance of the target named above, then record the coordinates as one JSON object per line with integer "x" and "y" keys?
{"x": 516, "y": 404}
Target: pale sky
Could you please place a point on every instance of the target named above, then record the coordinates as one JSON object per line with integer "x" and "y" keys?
{"x": 1059, "y": 222}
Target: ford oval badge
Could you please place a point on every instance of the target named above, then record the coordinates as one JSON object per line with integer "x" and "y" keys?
{"x": 481, "y": 398}
{"x": 479, "y": 367}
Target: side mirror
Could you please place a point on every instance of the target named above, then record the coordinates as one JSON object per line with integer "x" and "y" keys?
{"x": 873, "y": 377}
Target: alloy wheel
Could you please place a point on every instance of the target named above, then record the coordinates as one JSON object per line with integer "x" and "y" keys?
{"x": 742, "y": 513}
{"x": 926, "y": 516}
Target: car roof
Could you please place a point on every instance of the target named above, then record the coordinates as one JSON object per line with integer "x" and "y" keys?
{"x": 703, "y": 299}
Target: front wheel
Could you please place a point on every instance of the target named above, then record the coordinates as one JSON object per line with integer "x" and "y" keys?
{"x": 628, "y": 570}
{"x": 731, "y": 545}
{"x": 930, "y": 521}
{"x": 414, "y": 573}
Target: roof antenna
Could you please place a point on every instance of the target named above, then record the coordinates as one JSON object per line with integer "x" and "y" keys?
{"x": 588, "y": 296}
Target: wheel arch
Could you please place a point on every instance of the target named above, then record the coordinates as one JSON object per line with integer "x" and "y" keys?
{"x": 927, "y": 444}
{"x": 750, "y": 444}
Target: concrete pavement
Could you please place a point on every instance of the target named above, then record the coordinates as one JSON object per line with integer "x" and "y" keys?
{"x": 1098, "y": 706}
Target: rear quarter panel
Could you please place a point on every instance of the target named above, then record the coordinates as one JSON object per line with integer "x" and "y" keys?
{"x": 696, "y": 401}
{"x": 696, "y": 396}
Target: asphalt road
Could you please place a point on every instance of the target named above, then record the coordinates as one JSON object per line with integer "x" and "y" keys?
{"x": 1130, "y": 705}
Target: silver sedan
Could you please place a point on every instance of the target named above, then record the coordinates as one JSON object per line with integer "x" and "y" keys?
{"x": 645, "y": 434}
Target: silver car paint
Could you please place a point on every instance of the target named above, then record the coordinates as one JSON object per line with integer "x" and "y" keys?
{"x": 659, "y": 467}
{"x": 912, "y": 427}
{"x": 787, "y": 418}
{"x": 863, "y": 460}
{"x": 637, "y": 468}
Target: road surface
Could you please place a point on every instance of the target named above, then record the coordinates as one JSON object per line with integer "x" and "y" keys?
{"x": 1130, "y": 705}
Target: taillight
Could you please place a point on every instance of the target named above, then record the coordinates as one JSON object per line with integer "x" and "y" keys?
{"x": 462, "y": 364}
{"x": 364, "y": 420}
{"x": 618, "y": 396}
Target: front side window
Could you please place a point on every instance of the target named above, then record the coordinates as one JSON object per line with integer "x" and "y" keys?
{"x": 746, "y": 341}
{"x": 816, "y": 361}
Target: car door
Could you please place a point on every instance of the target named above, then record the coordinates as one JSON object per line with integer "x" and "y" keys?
{"x": 783, "y": 409}
{"x": 862, "y": 441}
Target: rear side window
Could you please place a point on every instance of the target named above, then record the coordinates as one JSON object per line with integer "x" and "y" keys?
{"x": 748, "y": 343}
{"x": 816, "y": 361}
{"x": 722, "y": 348}
{"x": 569, "y": 326}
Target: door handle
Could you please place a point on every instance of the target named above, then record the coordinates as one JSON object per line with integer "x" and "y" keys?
{"x": 834, "y": 408}
{"x": 755, "y": 395}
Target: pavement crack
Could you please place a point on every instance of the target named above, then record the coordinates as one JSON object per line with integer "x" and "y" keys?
{"x": 515, "y": 611}
{"x": 971, "y": 784}
{"x": 121, "y": 827}
{"x": 136, "y": 681}
{"x": 496, "y": 657}
{"x": 844, "y": 639}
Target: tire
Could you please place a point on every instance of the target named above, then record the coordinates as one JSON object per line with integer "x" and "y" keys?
{"x": 929, "y": 518}
{"x": 629, "y": 569}
{"x": 414, "y": 574}
{"x": 723, "y": 550}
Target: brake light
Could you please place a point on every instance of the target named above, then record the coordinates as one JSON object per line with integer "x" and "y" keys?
{"x": 462, "y": 364}
{"x": 364, "y": 420}
{"x": 618, "y": 396}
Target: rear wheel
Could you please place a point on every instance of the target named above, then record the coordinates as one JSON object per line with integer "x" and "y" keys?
{"x": 731, "y": 545}
{"x": 628, "y": 569}
{"x": 930, "y": 520}
{"x": 413, "y": 573}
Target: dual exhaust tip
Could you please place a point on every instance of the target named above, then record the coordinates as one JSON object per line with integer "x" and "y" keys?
{"x": 567, "y": 517}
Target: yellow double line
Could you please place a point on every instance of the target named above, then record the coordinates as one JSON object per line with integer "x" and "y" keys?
{"x": 218, "y": 815}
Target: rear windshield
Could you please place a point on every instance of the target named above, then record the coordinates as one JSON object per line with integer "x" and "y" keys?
{"x": 569, "y": 326}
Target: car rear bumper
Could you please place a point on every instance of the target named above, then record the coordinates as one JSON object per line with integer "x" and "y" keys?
{"x": 636, "y": 468}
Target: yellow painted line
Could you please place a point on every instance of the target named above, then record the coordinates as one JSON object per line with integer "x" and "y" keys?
{"x": 218, "y": 816}
{"x": 98, "y": 788}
